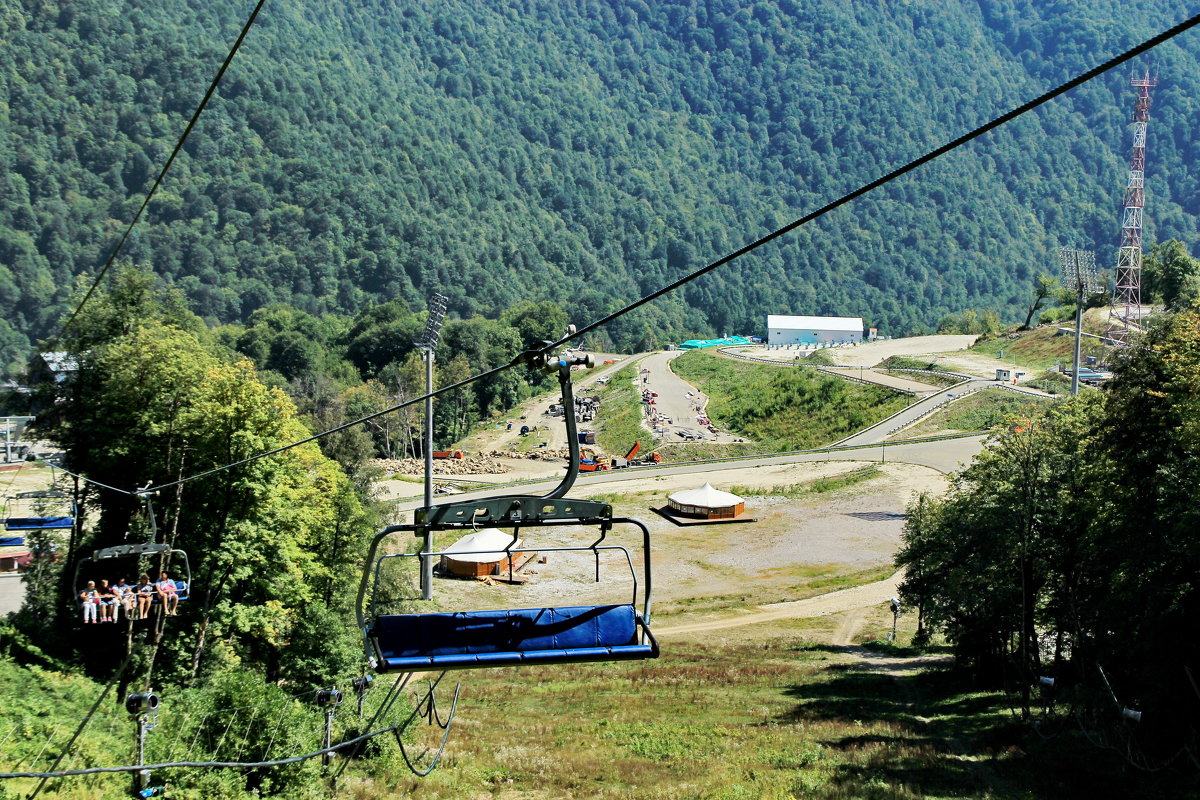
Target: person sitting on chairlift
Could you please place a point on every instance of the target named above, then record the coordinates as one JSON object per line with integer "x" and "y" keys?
{"x": 87, "y": 599}
{"x": 124, "y": 595}
{"x": 169, "y": 595}
{"x": 145, "y": 596}
{"x": 108, "y": 602}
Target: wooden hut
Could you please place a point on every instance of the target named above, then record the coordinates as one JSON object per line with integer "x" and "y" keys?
{"x": 462, "y": 560}
{"x": 706, "y": 503}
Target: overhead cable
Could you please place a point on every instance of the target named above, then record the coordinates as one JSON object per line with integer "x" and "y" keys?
{"x": 58, "y": 467}
{"x": 66, "y": 773}
{"x": 112, "y": 257}
{"x": 954, "y": 144}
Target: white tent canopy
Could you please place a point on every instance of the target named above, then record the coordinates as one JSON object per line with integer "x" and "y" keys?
{"x": 706, "y": 496}
{"x": 481, "y": 540}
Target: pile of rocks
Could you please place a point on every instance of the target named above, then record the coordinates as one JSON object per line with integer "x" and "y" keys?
{"x": 475, "y": 465}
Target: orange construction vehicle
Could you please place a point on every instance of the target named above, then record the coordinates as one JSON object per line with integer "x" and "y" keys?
{"x": 631, "y": 459}
{"x": 590, "y": 462}
{"x": 448, "y": 454}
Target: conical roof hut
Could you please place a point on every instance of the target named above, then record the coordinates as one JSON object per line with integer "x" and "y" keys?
{"x": 706, "y": 502}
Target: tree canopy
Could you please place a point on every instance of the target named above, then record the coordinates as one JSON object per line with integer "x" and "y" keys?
{"x": 582, "y": 154}
{"x": 1068, "y": 547}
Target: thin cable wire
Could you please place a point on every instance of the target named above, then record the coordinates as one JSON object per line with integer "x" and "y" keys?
{"x": 163, "y": 172}
{"x": 436, "y": 393}
{"x": 87, "y": 480}
{"x": 1075, "y": 82}
{"x": 206, "y": 764}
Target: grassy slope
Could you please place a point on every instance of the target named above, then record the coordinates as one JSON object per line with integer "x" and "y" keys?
{"x": 43, "y": 704}
{"x": 976, "y": 412}
{"x": 619, "y": 422}
{"x": 1045, "y": 346}
{"x": 722, "y": 718}
{"x": 784, "y": 408}
{"x": 726, "y": 717}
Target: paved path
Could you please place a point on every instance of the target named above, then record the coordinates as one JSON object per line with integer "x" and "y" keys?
{"x": 12, "y": 592}
{"x": 868, "y": 595}
{"x": 677, "y": 400}
{"x": 881, "y": 430}
{"x": 883, "y": 379}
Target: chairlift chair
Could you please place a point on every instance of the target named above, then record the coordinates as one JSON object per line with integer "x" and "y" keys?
{"x": 38, "y": 505}
{"x": 136, "y": 552}
{"x": 514, "y": 637}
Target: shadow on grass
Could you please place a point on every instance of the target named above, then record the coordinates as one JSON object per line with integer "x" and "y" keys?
{"x": 930, "y": 734}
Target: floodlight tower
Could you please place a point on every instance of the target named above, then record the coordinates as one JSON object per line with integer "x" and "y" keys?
{"x": 427, "y": 344}
{"x": 1125, "y": 313}
{"x": 1078, "y": 275}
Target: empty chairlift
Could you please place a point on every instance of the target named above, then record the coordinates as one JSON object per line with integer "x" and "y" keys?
{"x": 47, "y": 509}
{"x": 512, "y": 637}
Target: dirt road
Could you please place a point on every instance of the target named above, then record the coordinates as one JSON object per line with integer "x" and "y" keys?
{"x": 859, "y": 597}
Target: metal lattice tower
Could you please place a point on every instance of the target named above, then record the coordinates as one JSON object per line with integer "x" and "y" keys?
{"x": 1126, "y": 311}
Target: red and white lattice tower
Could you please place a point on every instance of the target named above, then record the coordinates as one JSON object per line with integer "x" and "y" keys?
{"x": 1126, "y": 311}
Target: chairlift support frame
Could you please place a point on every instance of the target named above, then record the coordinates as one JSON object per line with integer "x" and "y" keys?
{"x": 138, "y": 550}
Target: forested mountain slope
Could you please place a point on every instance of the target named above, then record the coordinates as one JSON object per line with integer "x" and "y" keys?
{"x": 580, "y": 151}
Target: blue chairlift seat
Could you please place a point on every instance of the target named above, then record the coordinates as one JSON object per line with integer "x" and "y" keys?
{"x": 12, "y": 541}
{"x": 38, "y": 523}
{"x": 472, "y": 639}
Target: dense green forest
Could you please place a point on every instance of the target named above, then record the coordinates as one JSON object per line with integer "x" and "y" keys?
{"x": 583, "y": 152}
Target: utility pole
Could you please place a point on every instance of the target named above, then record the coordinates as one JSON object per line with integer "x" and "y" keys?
{"x": 328, "y": 700}
{"x": 427, "y": 344}
{"x": 1125, "y": 314}
{"x": 1078, "y": 275}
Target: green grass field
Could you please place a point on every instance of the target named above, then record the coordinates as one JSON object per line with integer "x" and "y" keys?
{"x": 784, "y": 408}
{"x": 976, "y": 412}
{"x": 1045, "y": 346}
{"x": 619, "y": 421}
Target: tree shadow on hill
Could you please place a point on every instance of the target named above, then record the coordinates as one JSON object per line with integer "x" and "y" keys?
{"x": 930, "y": 733}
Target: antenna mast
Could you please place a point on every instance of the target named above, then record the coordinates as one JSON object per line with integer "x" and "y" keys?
{"x": 1125, "y": 314}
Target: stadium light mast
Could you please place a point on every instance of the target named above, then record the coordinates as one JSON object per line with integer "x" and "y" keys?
{"x": 1078, "y": 275}
{"x": 1126, "y": 311}
{"x": 427, "y": 344}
